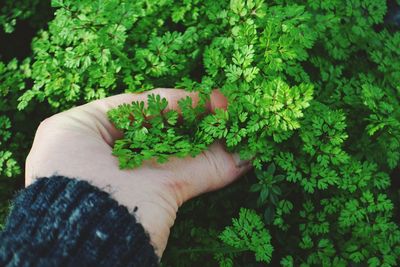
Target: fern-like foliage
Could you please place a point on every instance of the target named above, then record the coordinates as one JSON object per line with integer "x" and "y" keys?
{"x": 313, "y": 102}
{"x": 12, "y": 11}
{"x": 248, "y": 233}
{"x": 12, "y": 77}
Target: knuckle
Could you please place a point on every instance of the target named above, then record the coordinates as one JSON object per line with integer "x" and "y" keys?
{"x": 46, "y": 127}
{"x": 51, "y": 122}
{"x": 47, "y": 123}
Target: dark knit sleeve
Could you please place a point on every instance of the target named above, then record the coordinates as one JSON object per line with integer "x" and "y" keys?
{"x": 59, "y": 221}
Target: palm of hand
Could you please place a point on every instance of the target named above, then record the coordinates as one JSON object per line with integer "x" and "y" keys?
{"x": 78, "y": 143}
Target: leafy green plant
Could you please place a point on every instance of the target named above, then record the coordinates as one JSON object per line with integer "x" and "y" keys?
{"x": 315, "y": 92}
{"x": 12, "y": 11}
{"x": 12, "y": 77}
{"x": 248, "y": 233}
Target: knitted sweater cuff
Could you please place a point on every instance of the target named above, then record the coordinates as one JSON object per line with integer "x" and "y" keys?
{"x": 59, "y": 221}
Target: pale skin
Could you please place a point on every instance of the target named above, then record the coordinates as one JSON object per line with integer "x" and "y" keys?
{"x": 78, "y": 143}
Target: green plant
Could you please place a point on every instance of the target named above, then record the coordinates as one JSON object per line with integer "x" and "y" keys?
{"x": 12, "y": 11}
{"x": 315, "y": 87}
{"x": 12, "y": 78}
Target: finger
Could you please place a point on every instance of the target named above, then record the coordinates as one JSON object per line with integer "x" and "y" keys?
{"x": 211, "y": 170}
{"x": 217, "y": 99}
{"x": 98, "y": 109}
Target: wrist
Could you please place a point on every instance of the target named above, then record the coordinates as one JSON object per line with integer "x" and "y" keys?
{"x": 157, "y": 221}
{"x": 154, "y": 208}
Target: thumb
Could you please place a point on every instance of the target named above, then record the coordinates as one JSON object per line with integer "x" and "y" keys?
{"x": 209, "y": 171}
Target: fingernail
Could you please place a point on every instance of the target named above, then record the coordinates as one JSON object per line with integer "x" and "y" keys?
{"x": 240, "y": 162}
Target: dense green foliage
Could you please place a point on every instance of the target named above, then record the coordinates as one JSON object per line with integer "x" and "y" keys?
{"x": 12, "y": 81}
{"x": 11, "y": 11}
{"x": 16, "y": 127}
{"x": 315, "y": 87}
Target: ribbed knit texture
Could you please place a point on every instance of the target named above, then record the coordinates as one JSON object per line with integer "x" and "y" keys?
{"x": 59, "y": 221}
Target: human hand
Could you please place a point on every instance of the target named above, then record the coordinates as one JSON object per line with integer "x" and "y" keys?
{"x": 78, "y": 143}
